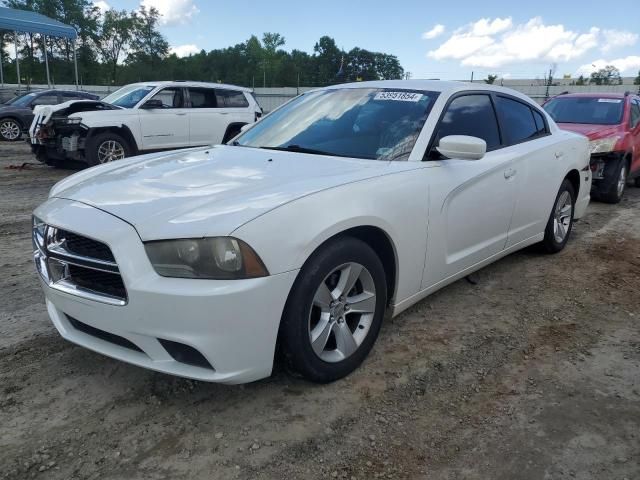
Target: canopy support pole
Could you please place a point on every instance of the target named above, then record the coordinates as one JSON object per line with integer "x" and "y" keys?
{"x": 1, "y": 72}
{"x": 46, "y": 61}
{"x": 75, "y": 63}
{"x": 15, "y": 40}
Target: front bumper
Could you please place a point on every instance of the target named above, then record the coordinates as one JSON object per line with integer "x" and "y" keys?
{"x": 233, "y": 324}
{"x": 605, "y": 168}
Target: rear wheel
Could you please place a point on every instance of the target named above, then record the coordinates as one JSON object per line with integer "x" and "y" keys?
{"x": 106, "y": 147}
{"x": 10, "y": 130}
{"x": 335, "y": 310}
{"x": 616, "y": 191}
{"x": 560, "y": 223}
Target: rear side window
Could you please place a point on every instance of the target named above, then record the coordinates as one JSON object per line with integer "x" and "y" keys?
{"x": 540, "y": 125}
{"x": 517, "y": 121}
{"x": 471, "y": 115}
{"x": 202, "y": 97}
{"x": 231, "y": 99}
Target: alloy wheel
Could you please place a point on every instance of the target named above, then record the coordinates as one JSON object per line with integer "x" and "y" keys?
{"x": 562, "y": 216}
{"x": 110, "y": 150}
{"x": 622, "y": 180}
{"x": 342, "y": 312}
{"x": 9, "y": 130}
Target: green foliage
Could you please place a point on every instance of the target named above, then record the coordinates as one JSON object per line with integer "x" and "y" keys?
{"x": 581, "y": 80}
{"x": 490, "y": 79}
{"x": 122, "y": 47}
{"x": 637, "y": 79}
{"x": 608, "y": 75}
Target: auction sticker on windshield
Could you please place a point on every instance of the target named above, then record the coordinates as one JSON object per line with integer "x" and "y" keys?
{"x": 399, "y": 96}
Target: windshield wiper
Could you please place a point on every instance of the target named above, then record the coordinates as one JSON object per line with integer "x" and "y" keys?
{"x": 299, "y": 149}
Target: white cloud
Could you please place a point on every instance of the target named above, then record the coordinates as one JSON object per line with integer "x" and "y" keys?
{"x": 102, "y": 5}
{"x": 494, "y": 43}
{"x": 436, "y": 31}
{"x": 627, "y": 65}
{"x": 173, "y": 12}
{"x": 617, "y": 38}
{"x": 185, "y": 50}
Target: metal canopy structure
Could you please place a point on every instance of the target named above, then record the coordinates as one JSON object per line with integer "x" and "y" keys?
{"x": 32, "y": 22}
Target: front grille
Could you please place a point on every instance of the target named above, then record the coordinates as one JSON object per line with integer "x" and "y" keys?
{"x": 97, "y": 281}
{"x": 78, "y": 265}
{"x": 86, "y": 247}
{"x": 102, "y": 335}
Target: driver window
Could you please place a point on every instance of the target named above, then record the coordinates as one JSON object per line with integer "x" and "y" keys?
{"x": 635, "y": 114}
{"x": 171, "y": 97}
{"x": 47, "y": 99}
{"x": 471, "y": 115}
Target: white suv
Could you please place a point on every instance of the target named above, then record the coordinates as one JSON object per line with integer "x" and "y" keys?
{"x": 141, "y": 117}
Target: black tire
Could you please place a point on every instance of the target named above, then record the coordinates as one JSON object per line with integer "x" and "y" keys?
{"x": 637, "y": 182}
{"x": 616, "y": 191}
{"x": 95, "y": 142}
{"x": 9, "y": 128}
{"x": 552, "y": 244}
{"x": 295, "y": 329}
{"x": 231, "y": 132}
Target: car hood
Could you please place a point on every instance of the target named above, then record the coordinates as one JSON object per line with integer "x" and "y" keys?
{"x": 210, "y": 191}
{"x": 592, "y": 131}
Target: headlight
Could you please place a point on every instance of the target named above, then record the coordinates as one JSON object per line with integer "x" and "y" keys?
{"x": 38, "y": 230}
{"x": 603, "y": 145}
{"x": 217, "y": 258}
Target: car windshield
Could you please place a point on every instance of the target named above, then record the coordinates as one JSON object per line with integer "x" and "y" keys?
{"x": 128, "y": 96}
{"x": 370, "y": 123}
{"x": 591, "y": 110}
{"x": 22, "y": 100}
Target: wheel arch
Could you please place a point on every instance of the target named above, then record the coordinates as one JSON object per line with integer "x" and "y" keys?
{"x": 123, "y": 130}
{"x": 574, "y": 177}
{"x": 230, "y": 128}
{"x": 15, "y": 119}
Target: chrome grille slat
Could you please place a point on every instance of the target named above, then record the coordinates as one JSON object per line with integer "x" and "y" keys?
{"x": 78, "y": 265}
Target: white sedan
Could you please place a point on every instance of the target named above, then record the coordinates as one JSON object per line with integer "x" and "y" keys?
{"x": 299, "y": 235}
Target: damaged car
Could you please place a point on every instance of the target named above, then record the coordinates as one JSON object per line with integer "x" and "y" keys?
{"x": 141, "y": 117}
{"x": 611, "y": 121}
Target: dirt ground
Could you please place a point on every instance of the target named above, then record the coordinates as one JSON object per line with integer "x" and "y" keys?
{"x": 532, "y": 373}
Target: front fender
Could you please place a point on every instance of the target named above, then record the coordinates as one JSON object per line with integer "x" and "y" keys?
{"x": 397, "y": 204}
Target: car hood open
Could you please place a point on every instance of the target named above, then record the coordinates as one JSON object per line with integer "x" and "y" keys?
{"x": 209, "y": 191}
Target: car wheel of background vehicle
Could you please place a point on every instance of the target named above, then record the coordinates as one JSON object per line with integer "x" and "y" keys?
{"x": 106, "y": 147}
{"x": 637, "y": 182}
{"x": 560, "y": 223}
{"x": 10, "y": 130}
{"x": 231, "y": 132}
{"x": 616, "y": 191}
{"x": 334, "y": 311}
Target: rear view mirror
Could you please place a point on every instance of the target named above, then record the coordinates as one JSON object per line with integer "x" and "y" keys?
{"x": 152, "y": 104}
{"x": 462, "y": 147}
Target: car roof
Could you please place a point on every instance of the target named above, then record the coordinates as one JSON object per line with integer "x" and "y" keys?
{"x": 188, "y": 83}
{"x": 594, "y": 95}
{"x": 442, "y": 86}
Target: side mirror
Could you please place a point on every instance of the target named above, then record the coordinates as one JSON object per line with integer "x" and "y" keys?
{"x": 244, "y": 128}
{"x": 152, "y": 104}
{"x": 462, "y": 147}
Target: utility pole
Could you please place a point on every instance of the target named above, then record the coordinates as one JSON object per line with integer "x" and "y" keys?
{"x": 472, "y": 76}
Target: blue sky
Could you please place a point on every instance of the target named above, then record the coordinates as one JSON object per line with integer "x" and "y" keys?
{"x": 511, "y": 39}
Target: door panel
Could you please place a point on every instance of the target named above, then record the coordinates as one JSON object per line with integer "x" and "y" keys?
{"x": 470, "y": 208}
{"x": 538, "y": 165}
{"x": 166, "y": 127}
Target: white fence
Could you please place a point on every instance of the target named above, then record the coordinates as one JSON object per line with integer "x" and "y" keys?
{"x": 271, "y": 98}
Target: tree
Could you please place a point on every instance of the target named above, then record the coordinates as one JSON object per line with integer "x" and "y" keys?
{"x": 115, "y": 38}
{"x": 608, "y": 75}
{"x": 148, "y": 46}
{"x": 581, "y": 80}
{"x": 637, "y": 79}
{"x": 490, "y": 79}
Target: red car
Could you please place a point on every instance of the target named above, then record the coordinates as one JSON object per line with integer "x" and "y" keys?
{"x": 612, "y": 124}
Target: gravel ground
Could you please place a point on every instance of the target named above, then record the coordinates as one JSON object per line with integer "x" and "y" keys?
{"x": 532, "y": 373}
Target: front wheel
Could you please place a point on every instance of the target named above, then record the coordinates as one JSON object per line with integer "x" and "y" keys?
{"x": 10, "y": 130}
{"x": 334, "y": 311}
{"x": 560, "y": 224}
{"x": 616, "y": 191}
{"x": 106, "y": 147}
